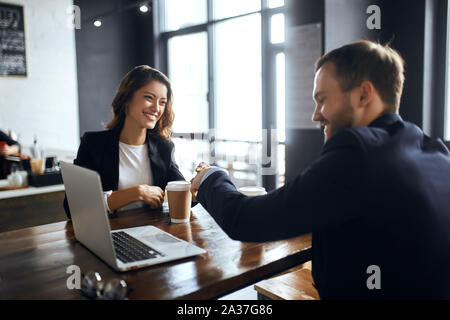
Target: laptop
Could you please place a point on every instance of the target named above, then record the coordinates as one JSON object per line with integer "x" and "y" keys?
{"x": 124, "y": 249}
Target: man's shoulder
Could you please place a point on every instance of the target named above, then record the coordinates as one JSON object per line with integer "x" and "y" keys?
{"x": 389, "y": 134}
{"x": 368, "y": 136}
{"x": 344, "y": 139}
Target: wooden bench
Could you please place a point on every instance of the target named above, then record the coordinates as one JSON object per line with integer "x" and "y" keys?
{"x": 295, "y": 284}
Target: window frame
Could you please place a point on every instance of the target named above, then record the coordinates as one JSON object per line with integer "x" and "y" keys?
{"x": 436, "y": 70}
{"x": 446, "y": 43}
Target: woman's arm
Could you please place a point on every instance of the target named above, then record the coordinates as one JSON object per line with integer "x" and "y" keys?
{"x": 12, "y": 147}
{"x": 7, "y": 150}
{"x": 151, "y": 195}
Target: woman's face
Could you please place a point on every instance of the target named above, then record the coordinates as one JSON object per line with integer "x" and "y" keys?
{"x": 147, "y": 105}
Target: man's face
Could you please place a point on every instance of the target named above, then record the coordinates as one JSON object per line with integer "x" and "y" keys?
{"x": 333, "y": 106}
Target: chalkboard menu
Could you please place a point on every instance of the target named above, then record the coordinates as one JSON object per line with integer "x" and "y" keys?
{"x": 12, "y": 41}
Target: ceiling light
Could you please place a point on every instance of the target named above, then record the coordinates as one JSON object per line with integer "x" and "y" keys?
{"x": 143, "y": 8}
{"x": 98, "y": 23}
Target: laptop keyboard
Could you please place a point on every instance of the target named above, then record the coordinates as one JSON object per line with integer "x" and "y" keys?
{"x": 129, "y": 249}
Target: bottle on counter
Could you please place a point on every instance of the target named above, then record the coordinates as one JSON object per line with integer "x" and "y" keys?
{"x": 15, "y": 179}
{"x": 36, "y": 151}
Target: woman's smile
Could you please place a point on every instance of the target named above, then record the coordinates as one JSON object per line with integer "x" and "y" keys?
{"x": 151, "y": 116}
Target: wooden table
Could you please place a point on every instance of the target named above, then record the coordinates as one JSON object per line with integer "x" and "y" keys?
{"x": 34, "y": 261}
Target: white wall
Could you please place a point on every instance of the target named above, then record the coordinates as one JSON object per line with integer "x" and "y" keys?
{"x": 45, "y": 103}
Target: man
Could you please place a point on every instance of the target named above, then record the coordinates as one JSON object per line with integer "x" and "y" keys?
{"x": 377, "y": 199}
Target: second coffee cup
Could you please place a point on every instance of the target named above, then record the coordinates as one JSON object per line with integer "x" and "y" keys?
{"x": 179, "y": 198}
{"x": 37, "y": 166}
{"x": 252, "y": 191}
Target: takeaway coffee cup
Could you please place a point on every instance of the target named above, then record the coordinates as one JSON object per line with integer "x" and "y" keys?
{"x": 179, "y": 196}
{"x": 252, "y": 191}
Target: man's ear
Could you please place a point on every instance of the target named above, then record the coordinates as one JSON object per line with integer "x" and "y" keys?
{"x": 367, "y": 91}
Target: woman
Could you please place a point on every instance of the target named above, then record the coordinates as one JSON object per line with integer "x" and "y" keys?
{"x": 134, "y": 156}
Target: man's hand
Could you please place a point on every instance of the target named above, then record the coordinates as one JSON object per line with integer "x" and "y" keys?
{"x": 201, "y": 170}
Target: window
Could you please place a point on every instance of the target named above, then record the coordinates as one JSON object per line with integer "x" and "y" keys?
{"x": 225, "y": 59}
{"x": 280, "y": 96}
{"x": 277, "y": 28}
{"x": 447, "y": 91}
{"x": 276, "y": 3}
{"x": 188, "y": 75}
{"x": 237, "y": 62}
{"x": 232, "y": 8}
{"x": 446, "y": 36}
{"x": 180, "y": 14}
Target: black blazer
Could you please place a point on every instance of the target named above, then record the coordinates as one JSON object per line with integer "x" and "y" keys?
{"x": 376, "y": 196}
{"x": 99, "y": 151}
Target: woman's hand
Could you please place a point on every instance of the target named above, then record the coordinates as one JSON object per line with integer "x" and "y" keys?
{"x": 151, "y": 195}
{"x": 6, "y": 150}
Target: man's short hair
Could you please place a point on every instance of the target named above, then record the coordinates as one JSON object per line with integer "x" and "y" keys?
{"x": 366, "y": 60}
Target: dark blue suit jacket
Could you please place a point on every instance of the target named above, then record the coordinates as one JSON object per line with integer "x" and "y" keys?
{"x": 99, "y": 151}
{"x": 376, "y": 196}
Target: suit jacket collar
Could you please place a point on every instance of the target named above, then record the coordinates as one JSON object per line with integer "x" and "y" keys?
{"x": 156, "y": 162}
{"x": 386, "y": 120}
{"x": 112, "y": 157}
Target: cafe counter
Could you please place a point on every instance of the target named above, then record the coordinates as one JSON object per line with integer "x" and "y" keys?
{"x": 30, "y": 206}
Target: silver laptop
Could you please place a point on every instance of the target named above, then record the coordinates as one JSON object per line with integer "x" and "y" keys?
{"x": 124, "y": 249}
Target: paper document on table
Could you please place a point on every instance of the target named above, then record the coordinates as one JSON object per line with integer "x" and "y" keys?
{"x": 198, "y": 208}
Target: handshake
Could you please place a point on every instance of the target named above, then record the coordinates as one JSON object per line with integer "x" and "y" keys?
{"x": 201, "y": 170}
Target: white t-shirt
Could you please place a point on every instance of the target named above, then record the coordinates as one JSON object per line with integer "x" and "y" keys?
{"x": 134, "y": 169}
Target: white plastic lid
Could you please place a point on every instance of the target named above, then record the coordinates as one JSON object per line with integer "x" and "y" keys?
{"x": 178, "y": 186}
{"x": 252, "y": 191}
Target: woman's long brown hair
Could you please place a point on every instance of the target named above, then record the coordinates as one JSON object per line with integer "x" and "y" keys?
{"x": 133, "y": 81}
